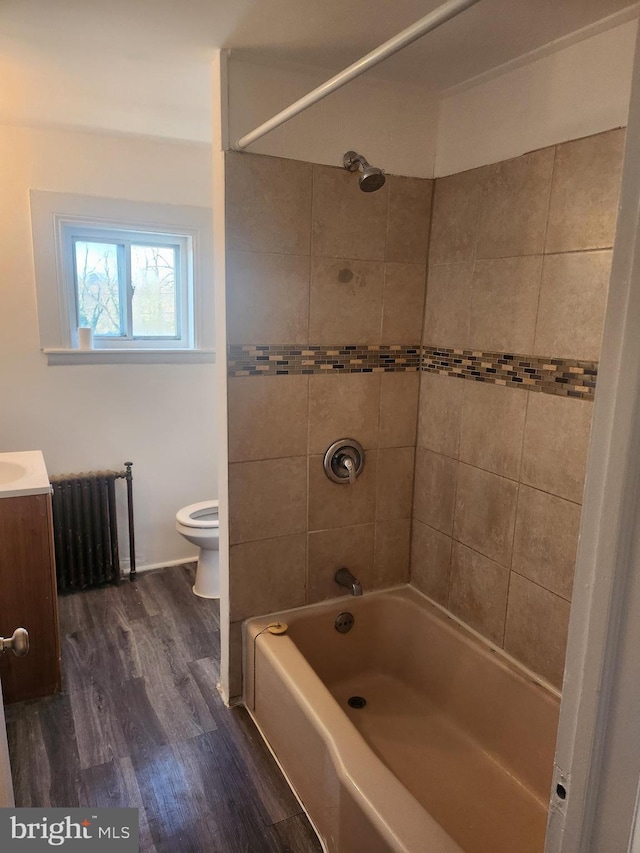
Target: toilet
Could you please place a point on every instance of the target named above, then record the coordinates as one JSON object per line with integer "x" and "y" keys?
{"x": 199, "y": 524}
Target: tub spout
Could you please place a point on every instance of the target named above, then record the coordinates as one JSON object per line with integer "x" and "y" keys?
{"x": 345, "y": 578}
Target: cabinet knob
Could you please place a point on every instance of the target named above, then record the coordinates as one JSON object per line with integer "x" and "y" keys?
{"x": 18, "y": 643}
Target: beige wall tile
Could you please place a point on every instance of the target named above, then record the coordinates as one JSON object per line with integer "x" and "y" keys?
{"x": 546, "y": 540}
{"x": 485, "y": 512}
{"x": 457, "y": 207}
{"x": 434, "y": 490}
{"x": 394, "y": 487}
{"x": 346, "y": 222}
{"x": 329, "y": 550}
{"x": 573, "y": 298}
{"x": 439, "y": 413}
{"x": 344, "y": 406}
{"x": 235, "y": 660}
{"x": 478, "y": 592}
{"x": 409, "y": 214}
{"x": 430, "y": 561}
{"x": 403, "y": 305}
{"x": 268, "y": 204}
{"x": 556, "y": 439}
{"x": 267, "y": 417}
{"x": 514, "y": 212}
{"x": 267, "y": 298}
{"x": 537, "y": 626}
{"x": 391, "y": 555}
{"x": 346, "y": 301}
{"x": 337, "y": 505}
{"x": 267, "y": 499}
{"x": 398, "y": 409}
{"x": 448, "y": 305}
{"x": 492, "y": 427}
{"x": 504, "y": 303}
{"x": 584, "y": 192}
{"x": 267, "y": 576}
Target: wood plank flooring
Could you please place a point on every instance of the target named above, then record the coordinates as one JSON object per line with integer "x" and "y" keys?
{"x": 140, "y": 723}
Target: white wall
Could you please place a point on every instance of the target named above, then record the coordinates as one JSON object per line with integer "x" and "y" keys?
{"x": 162, "y": 417}
{"x": 575, "y": 87}
{"x": 131, "y": 94}
{"x": 394, "y": 127}
{"x": 581, "y": 89}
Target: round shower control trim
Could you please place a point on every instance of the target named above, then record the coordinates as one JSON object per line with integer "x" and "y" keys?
{"x": 344, "y": 461}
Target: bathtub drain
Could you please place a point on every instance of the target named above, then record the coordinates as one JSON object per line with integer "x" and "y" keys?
{"x": 356, "y": 702}
{"x": 344, "y": 622}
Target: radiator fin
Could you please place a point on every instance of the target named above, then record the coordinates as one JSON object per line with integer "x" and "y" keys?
{"x": 86, "y": 530}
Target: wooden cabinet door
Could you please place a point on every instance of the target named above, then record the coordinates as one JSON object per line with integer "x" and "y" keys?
{"x": 6, "y": 784}
{"x": 28, "y": 597}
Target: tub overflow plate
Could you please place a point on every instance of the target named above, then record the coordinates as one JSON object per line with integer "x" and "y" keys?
{"x": 344, "y": 622}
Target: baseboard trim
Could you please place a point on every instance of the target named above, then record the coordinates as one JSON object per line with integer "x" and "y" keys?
{"x": 165, "y": 564}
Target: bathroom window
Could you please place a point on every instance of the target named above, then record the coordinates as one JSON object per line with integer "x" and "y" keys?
{"x": 137, "y": 274}
{"x": 131, "y": 288}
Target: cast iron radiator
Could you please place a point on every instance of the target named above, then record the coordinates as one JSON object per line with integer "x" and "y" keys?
{"x": 85, "y": 528}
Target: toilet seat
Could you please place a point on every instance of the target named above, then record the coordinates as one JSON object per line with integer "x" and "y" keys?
{"x": 201, "y": 515}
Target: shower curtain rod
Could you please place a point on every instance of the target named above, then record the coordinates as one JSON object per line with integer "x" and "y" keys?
{"x": 430, "y": 22}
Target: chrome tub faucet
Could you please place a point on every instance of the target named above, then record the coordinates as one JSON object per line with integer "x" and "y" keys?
{"x": 345, "y": 578}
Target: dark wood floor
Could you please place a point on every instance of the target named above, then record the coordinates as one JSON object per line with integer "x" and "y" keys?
{"x": 140, "y": 723}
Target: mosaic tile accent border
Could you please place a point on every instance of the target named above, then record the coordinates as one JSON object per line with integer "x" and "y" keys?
{"x": 301, "y": 359}
{"x": 561, "y": 376}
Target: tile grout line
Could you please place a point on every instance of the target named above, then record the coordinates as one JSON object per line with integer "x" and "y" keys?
{"x": 421, "y": 390}
{"x": 375, "y": 485}
{"x": 544, "y": 245}
{"x": 308, "y": 449}
{"x": 548, "y": 211}
{"x": 501, "y": 476}
{"x": 485, "y": 183}
{"x": 384, "y": 262}
{"x": 453, "y": 527}
{"x": 513, "y": 540}
{"x": 455, "y": 494}
{"x": 540, "y": 586}
{"x": 311, "y": 247}
{"x": 377, "y": 444}
{"x": 515, "y": 518}
{"x": 306, "y": 550}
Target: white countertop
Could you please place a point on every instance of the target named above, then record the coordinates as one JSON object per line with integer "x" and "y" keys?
{"x": 23, "y": 473}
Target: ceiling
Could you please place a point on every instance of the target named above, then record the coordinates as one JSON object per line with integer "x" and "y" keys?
{"x": 491, "y": 33}
{"x": 100, "y": 47}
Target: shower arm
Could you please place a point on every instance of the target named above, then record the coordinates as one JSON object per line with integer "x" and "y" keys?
{"x": 421, "y": 27}
{"x": 352, "y": 161}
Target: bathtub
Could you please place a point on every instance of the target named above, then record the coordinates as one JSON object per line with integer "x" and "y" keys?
{"x": 452, "y": 752}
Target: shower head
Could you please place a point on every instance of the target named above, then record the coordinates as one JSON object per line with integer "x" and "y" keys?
{"x": 371, "y": 178}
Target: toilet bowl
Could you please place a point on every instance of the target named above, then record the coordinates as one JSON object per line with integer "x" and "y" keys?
{"x": 199, "y": 524}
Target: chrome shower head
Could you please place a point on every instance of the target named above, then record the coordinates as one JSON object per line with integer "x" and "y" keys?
{"x": 371, "y": 178}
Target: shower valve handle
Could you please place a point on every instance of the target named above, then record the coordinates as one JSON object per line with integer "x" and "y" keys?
{"x": 344, "y": 460}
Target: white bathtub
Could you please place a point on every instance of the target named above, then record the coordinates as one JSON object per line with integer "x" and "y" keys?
{"x": 452, "y": 752}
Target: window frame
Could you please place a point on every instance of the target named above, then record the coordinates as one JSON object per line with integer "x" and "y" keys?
{"x": 52, "y": 211}
{"x": 71, "y": 232}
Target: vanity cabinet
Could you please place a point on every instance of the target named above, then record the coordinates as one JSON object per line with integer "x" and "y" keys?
{"x": 28, "y": 597}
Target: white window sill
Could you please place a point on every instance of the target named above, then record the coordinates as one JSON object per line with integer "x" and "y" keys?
{"x": 57, "y": 357}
